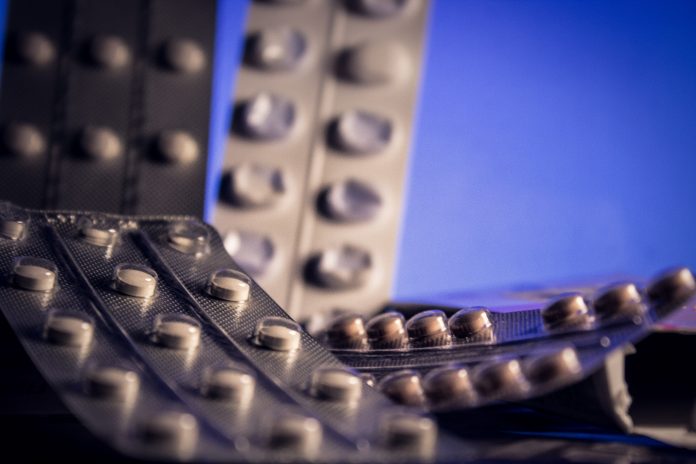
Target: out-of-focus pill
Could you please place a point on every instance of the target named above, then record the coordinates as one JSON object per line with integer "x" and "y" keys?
{"x": 23, "y": 140}
{"x": 100, "y": 143}
{"x": 360, "y": 132}
{"x": 347, "y": 331}
{"x": 350, "y": 200}
{"x": 277, "y": 49}
{"x": 230, "y": 285}
{"x": 408, "y": 432}
{"x": 336, "y": 384}
{"x": 68, "y": 328}
{"x": 176, "y": 147}
{"x": 190, "y": 237}
{"x": 176, "y": 331}
{"x": 565, "y": 310}
{"x": 672, "y": 286}
{"x": 450, "y": 385}
{"x": 14, "y": 221}
{"x": 251, "y": 185}
{"x": 623, "y": 300}
{"x": 278, "y": 334}
{"x": 562, "y": 365}
{"x": 34, "y": 274}
{"x": 173, "y": 432}
{"x": 428, "y": 328}
{"x": 234, "y": 384}
{"x": 135, "y": 280}
{"x": 468, "y": 322}
{"x": 113, "y": 383}
{"x": 340, "y": 268}
{"x": 34, "y": 48}
{"x": 295, "y": 432}
{"x": 387, "y": 331}
{"x": 375, "y": 63}
{"x": 252, "y": 251}
{"x": 108, "y": 51}
{"x": 501, "y": 379}
{"x": 265, "y": 116}
{"x": 183, "y": 55}
{"x": 404, "y": 387}
{"x": 98, "y": 230}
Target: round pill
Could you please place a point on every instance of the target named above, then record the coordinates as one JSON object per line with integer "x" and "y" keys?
{"x": 449, "y": 385}
{"x": 276, "y": 49}
{"x": 672, "y": 286}
{"x": 112, "y": 383}
{"x": 253, "y": 252}
{"x": 177, "y": 147}
{"x": 135, "y": 280}
{"x": 428, "y": 328}
{"x": 350, "y": 201}
{"x": 340, "y": 268}
{"x": 375, "y": 63}
{"x": 347, "y": 331}
{"x": 565, "y": 310}
{"x": 34, "y": 48}
{"x": 190, "y": 237}
{"x": 23, "y": 140}
{"x": 183, "y": 56}
{"x": 265, "y": 117}
{"x": 410, "y": 432}
{"x": 100, "y": 143}
{"x": 176, "y": 432}
{"x": 378, "y": 9}
{"x": 251, "y": 185}
{"x": 98, "y": 231}
{"x": 177, "y": 331}
{"x": 35, "y": 274}
{"x": 295, "y": 432}
{"x": 360, "y": 132}
{"x": 387, "y": 331}
{"x": 229, "y": 383}
{"x": 468, "y": 322}
{"x": 501, "y": 379}
{"x": 622, "y": 299}
{"x": 336, "y": 384}
{"x": 230, "y": 285}
{"x": 13, "y": 221}
{"x": 552, "y": 367}
{"x": 109, "y": 52}
{"x": 404, "y": 387}
{"x": 68, "y": 328}
{"x": 278, "y": 334}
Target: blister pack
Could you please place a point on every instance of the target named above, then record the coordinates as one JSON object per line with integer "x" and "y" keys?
{"x": 312, "y": 191}
{"x": 459, "y": 358}
{"x": 99, "y": 99}
{"x": 154, "y": 338}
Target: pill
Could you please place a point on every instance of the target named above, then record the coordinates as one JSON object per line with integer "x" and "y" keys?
{"x": 387, "y": 331}
{"x": 565, "y": 310}
{"x": 23, "y": 140}
{"x": 135, "y": 280}
{"x": 230, "y": 285}
{"x": 100, "y": 143}
{"x": 265, "y": 116}
{"x": 375, "y": 63}
{"x": 183, "y": 55}
{"x": 449, "y": 385}
{"x": 428, "y": 328}
{"x": 229, "y": 383}
{"x": 276, "y": 49}
{"x": 347, "y": 331}
{"x": 252, "y": 251}
{"x": 177, "y": 147}
{"x": 34, "y": 48}
{"x": 404, "y": 387}
{"x": 35, "y": 274}
{"x": 672, "y": 286}
{"x": 98, "y": 230}
{"x": 350, "y": 200}
{"x": 113, "y": 383}
{"x": 173, "y": 431}
{"x": 623, "y": 299}
{"x": 553, "y": 367}
{"x": 408, "y": 432}
{"x": 177, "y": 331}
{"x": 501, "y": 379}
{"x": 69, "y": 328}
{"x": 108, "y": 51}
{"x": 295, "y": 432}
{"x": 190, "y": 237}
{"x": 360, "y": 132}
{"x": 278, "y": 334}
{"x": 378, "y": 9}
{"x": 468, "y": 322}
{"x": 340, "y": 268}
{"x": 13, "y": 221}
{"x": 336, "y": 384}
{"x": 252, "y": 185}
